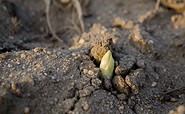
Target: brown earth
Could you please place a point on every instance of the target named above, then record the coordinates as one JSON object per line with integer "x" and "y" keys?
{"x": 42, "y": 76}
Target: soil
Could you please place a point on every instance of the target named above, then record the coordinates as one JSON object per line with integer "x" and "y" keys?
{"x": 40, "y": 75}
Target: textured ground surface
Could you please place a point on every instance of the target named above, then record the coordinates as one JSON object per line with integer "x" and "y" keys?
{"x": 42, "y": 76}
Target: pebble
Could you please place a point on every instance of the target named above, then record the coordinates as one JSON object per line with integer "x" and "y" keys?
{"x": 18, "y": 92}
{"x": 53, "y": 77}
{"x": 121, "y": 107}
{"x": 172, "y": 112}
{"x": 141, "y": 63}
{"x": 48, "y": 52}
{"x": 85, "y": 71}
{"x": 73, "y": 54}
{"x": 56, "y": 100}
{"x": 23, "y": 56}
{"x": 26, "y": 110}
{"x": 154, "y": 84}
{"x": 173, "y": 99}
{"x": 9, "y": 65}
{"x": 81, "y": 41}
{"x": 85, "y": 106}
{"x": 36, "y": 49}
{"x": 90, "y": 72}
{"x": 122, "y": 97}
{"x": 181, "y": 109}
{"x": 14, "y": 87}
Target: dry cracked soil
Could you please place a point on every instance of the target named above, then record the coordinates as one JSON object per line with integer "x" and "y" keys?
{"x": 39, "y": 75}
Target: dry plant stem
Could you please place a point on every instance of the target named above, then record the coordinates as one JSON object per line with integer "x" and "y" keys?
{"x": 174, "y": 90}
{"x": 74, "y": 24}
{"x": 48, "y": 3}
{"x": 67, "y": 27}
{"x": 157, "y": 5}
{"x": 78, "y": 8}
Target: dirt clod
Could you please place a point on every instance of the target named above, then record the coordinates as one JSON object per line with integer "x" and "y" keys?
{"x": 124, "y": 24}
{"x": 54, "y": 77}
{"x": 96, "y": 83}
{"x": 86, "y": 91}
{"x": 125, "y": 65}
{"x": 67, "y": 104}
{"x": 100, "y": 47}
{"x": 178, "y": 21}
{"x": 120, "y": 85}
{"x": 135, "y": 80}
{"x": 85, "y": 106}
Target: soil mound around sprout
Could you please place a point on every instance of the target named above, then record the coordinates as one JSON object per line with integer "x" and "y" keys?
{"x": 42, "y": 75}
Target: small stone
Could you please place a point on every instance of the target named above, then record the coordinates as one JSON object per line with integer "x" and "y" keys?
{"x": 26, "y": 110}
{"x": 56, "y": 100}
{"x": 173, "y": 99}
{"x": 85, "y": 106}
{"x": 81, "y": 41}
{"x": 121, "y": 107}
{"x": 122, "y": 97}
{"x": 172, "y": 112}
{"x": 9, "y": 65}
{"x": 114, "y": 92}
{"x": 85, "y": 71}
{"x": 154, "y": 84}
{"x": 73, "y": 54}
{"x": 14, "y": 87}
{"x": 44, "y": 50}
{"x": 23, "y": 56}
{"x": 36, "y": 49}
{"x": 93, "y": 73}
{"x": 90, "y": 72}
{"x": 18, "y": 92}
{"x": 181, "y": 109}
{"x": 48, "y": 52}
{"x": 53, "y": 77}
{"x": 51, "y": 102}
{"x": 141, "y": 63}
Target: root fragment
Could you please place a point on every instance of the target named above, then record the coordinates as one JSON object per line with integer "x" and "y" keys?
{"x": 48, "y": 3}
{"x": 75, "y": 4}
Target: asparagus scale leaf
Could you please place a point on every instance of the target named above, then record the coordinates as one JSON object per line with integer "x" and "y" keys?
{"x": 107, "y": 65}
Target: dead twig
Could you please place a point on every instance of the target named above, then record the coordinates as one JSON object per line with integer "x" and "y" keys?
{"x": 48, "y": 3}
{"x": 180, "y": 89}
{"x": 78, "y": 8}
